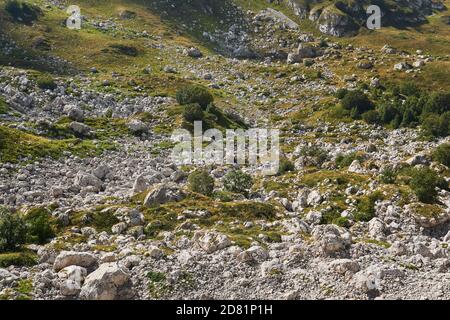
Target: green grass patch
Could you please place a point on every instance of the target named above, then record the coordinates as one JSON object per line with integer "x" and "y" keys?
{"x": 19, "y": 259}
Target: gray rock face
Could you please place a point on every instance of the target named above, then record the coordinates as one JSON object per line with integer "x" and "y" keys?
{"x": 193, "y": 52}
{"x": 331, "y": 238}
{"x": 80, "y": 129}
{"x": 72, "y": 258}
{"x": 276, "y": 16}
{"x": 88, "y": 180}
{"x": 72, "y": 279}
{"x": 211, "y": 241}
{"x": 161, "y": 194}
{"x": 74, "y": 113}
{"x": 108, "y": 282}
{"x": 140, "y": 184}
{"x": 335, "y": 23}
{"x": 137, "y": 126}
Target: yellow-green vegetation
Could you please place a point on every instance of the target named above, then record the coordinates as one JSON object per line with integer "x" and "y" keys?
{"x": 25, "y": 289}
{"x": 16, "y": 145}
{"x": 426, "y": 210}
{"x": 18, "y": 259}
{"x": 4, "y": 108}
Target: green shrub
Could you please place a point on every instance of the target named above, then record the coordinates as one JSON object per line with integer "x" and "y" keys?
{"x": 201, "y": 182}
{"x": 357, "y": 102}
{"x": 366, "y": 206}
{"x": 237, "y": 181}
{"x": 194, "y": 94}
{"x": 193, "y": 112}
{"x": 18, "y": 259}
{"x": 318, "y": 154}
{"x": 341, "y": 93}
{"x": 308, "y": 62}
{"x": 22, "y": 11}
{"x": 438, "y": 103}
{"x": 46, "y": 83}
{"x": 40, "y": 225}
{"x": 409, "y": 89}
{"x": 286, "y": 165}
{"x": 442, "y": 154}
{"x": 345, "y": 160}
{"x": 12, "y": 231}
{"x": 424, "y": 182}
{"x": 388, "y": 175}
{"x": 435, "y": 126}
{"x": 372, "y": 117}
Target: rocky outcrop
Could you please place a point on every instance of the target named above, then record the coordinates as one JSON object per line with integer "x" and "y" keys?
{"x": 108, "y": 282}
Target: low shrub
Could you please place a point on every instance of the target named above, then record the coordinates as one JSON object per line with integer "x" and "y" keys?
{"x": 442, "y": 154}
{"x": 318, "y": 154}
{"x": 40, "y": 225}
{"x": 388, "y": 175}
{"x": 424, "y": 182}
{"x": 237, "y": 181}
{"x": 18, "y": 259}
{"x": 193, "y": 112}
{"x": 357, "y": 102}
{"x": 366, "y": 206}
{"x": 12, "y": 231}
{"x": 22, "y": 11}
{"x": 286, "y": 165}
{"x": 46, "y": 83}
{"x": 200, "y": 181}
{"x": 194, "y": 94}
{"x": 345, "y": 160}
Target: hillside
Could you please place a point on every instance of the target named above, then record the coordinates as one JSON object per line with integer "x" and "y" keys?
{"x": 360, "y": 205}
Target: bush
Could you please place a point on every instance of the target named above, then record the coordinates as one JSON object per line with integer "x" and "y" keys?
{"x": 442, "y": 154}
{"x": 237, "y": 181}
{"x": 193, "y": 112}
{"x": 372, "y": 117}
{"x": 424, "y": 182}
{"x": 357, "y": 102}
{"x": 46, "y": 83}
{"x": 22, "y": 11}
{"x": 194, "y": 94}
{"x": 345, "y": 160}
{"x": 409, "y": 89}
{"x": 18, "y": 259}
{"x": 286, "y": 165}
{"x": 435, "y": 126}
{"x": 438, "y": 103}
{"x": 388, "y": 176}
{"x": 12, "y": 231}
{"x": 318, "y": 154}
{"x": 201, "y": 182}
{"x": 341, "y": 93}
{"x": 366, "y": 207}
{"x": 40, "y": 226}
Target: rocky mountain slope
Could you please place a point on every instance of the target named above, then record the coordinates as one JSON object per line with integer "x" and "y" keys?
{"x": 92, "y": 207}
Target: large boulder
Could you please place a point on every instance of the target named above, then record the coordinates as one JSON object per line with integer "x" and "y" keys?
{"x": 74, "y": 113}
{"x": 73, "y": 258}
{"x": 331, "y": 238}
{"x": 163, "y": 193}
{"x": 108, "y": 282}
{"x": 81, "y": 130}
{"x": 335, "y": 22}
{"x": 72, "y": 279}
{"x": 88, "y": 180}
{"x": 211, "y": 241}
